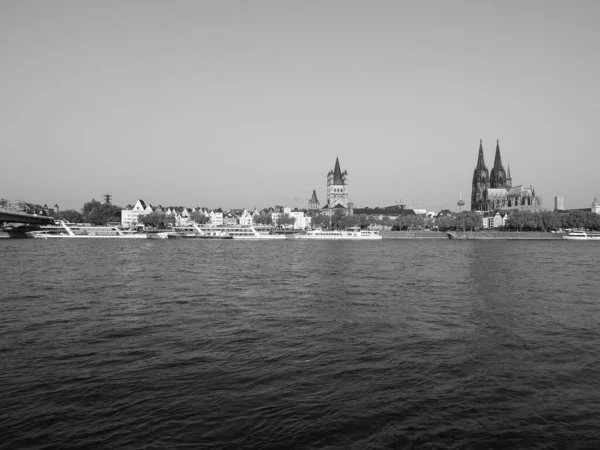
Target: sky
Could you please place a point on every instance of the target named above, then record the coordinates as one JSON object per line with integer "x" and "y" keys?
{"x": 242, "y": 104}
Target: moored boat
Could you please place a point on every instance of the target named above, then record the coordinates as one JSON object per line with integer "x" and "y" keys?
{"x": 251, "y": 233}
{"x": 85, "y": 232}
{"x": 582, "y": 235}
{"x": 353, "y": 233}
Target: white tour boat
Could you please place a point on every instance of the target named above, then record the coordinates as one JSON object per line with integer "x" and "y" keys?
{"x": 582, "y": 235}
{"x": 194, "y": 232}
{"x": 83, "y": 231}
{"x": 245, "y": 232}
{"x": 351, "y": 233}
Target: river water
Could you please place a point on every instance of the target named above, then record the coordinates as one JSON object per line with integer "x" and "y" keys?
{"x": 299, "y": 344}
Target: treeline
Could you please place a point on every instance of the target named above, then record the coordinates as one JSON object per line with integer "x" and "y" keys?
{"x": 523, "y": 221}
{"x": 92, "y": 212}
{"x": 552, "y": 220}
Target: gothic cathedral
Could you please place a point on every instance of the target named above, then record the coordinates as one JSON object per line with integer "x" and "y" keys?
{"x": 493, "y": 191}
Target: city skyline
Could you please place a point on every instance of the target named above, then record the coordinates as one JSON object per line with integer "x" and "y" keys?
{"x": 233, "y": 104}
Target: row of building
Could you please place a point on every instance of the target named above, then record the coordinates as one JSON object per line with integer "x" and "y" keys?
{"x": 130, "y": 216}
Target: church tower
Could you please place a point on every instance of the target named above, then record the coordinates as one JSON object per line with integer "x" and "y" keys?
{"x": 498, "y": 174}
{"x": 595, "y": 206}
{"x": 337, "y": 186}
{"x": 313, "y": 203}
{"x": 481, "y": 182}
{"x": 508, "y": 177}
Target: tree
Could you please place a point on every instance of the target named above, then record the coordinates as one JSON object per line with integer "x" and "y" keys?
{"x": 156, "y": 219}
{"x": 88, "y": 207}
{"x": 446, "y": 222}
{"x": 199, "y": 217}
{"x": 362, "y": 220}
{"x": 285, "y": 220}
{"x": 263, "y": 219}
{"x": 321, "y": 221}
{"x": 70, "y": 215}
{"x": 338, "y": 220}
{"x": 468, "y": 220}
{"x": 103, "y": 214}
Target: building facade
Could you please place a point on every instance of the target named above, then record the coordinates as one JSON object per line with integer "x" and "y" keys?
{"x": 595, "y": 206}
{"x": 129, "y": 217}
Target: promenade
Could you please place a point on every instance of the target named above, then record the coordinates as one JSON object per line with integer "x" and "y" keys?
{"x": 476, "y": 235}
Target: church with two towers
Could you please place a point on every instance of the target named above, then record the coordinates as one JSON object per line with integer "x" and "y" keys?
{"x": 494, "y": 190}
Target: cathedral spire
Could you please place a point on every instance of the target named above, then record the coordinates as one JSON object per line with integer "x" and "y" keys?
{"x": 337, "y": 173}
{"x": 498, "y": 174}
{"x": 480, "y": 160}
{"x": 497, "y": 158}
{"x": 481, "y": 182}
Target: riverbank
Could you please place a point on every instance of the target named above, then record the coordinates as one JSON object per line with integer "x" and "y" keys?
{"x": 473, "y": 235}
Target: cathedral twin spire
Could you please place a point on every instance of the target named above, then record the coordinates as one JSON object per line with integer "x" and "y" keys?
{"x": 483, "y": 179}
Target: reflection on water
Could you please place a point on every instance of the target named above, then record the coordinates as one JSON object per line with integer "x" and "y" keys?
{"x": 299, "y": 344}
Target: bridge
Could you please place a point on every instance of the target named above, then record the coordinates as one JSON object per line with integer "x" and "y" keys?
{"x": 11, "y": 216}
{"x": 18, "y": 211}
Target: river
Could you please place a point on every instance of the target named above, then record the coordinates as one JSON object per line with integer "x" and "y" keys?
{"x": 299, "y": 344}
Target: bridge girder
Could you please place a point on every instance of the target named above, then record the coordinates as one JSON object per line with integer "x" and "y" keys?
{"x": 15, "y": 217}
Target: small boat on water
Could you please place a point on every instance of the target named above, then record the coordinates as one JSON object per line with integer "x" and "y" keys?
{"x": 68, "y": 231}
{"x": 353, "y": 233}
{"x": 582, "y": 235}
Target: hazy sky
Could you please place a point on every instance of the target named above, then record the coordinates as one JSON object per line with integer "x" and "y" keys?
{"x": 248, "y": 103}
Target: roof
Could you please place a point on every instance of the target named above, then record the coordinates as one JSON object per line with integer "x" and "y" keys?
{"x": 497, "y": 192}
{"x": 314, "y": 199}
{"x": 337, "y": 173}
{"x": 388, "y": 211}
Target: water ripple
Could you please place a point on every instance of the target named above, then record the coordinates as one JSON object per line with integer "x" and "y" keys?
{"x": 397, "y": 344}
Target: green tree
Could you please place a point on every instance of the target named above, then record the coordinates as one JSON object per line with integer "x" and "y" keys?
{"x": 199, "y": 218}
{"x": 103, "y": 214}
{"x": 156, "y": 220}
{"x": 263, "y": 219}
{"x": 338, "y": 220}
{"x": 321, "y": 221}
{"x": 285, "y": 220}
{"x": 361, "y": 220}
{"x": 70, "y": 215}
{"x": 88, "y": 207}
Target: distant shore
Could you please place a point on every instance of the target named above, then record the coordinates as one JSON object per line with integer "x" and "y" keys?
{"x": 475, "y": 235}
